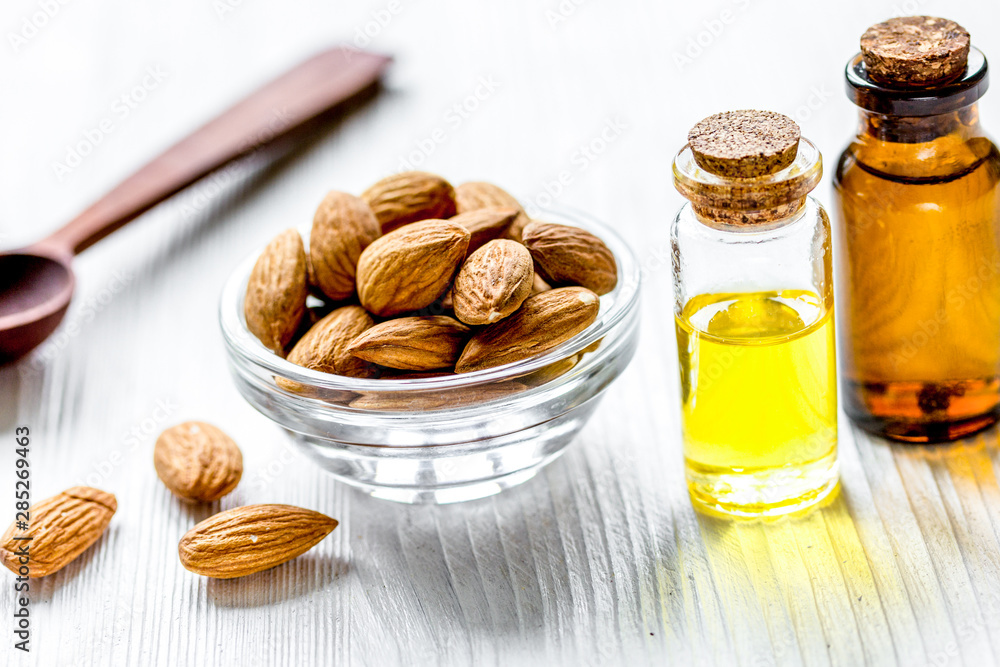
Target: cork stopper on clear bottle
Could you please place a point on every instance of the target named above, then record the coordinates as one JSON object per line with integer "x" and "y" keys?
{"x": 747, "y": 169}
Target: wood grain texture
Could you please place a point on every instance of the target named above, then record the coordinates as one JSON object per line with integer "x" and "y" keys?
{"x": 600, "y": 559}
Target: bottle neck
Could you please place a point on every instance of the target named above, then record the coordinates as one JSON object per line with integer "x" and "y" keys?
{"x": 748, "y": 220}
{"x": 936, "y": 146}
{"x": 958, "y": 125}
{"x": 749, "y": 204}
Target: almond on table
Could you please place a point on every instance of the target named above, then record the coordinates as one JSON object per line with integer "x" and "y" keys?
{"x": 60, "y": 529}
{"x": 197, "y": 461}
{"x": 250, "y": 539}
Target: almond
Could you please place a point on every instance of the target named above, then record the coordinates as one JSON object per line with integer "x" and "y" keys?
{"x": 410, "y": 196}
{"x": 551, "y": 372}
{"x": 538, "y": 285}
{"x": 342, "y": 228}
{"x": 477, "y": 194}
{"x": 60, "y": 528}
{"x": 250, "y": 539}
{"x": 389, "y": 401}
{"x": 408, "y": 269}
{"x": 325, "y": 346}
{"x": 413, "y": 343}
{"x": 543, "y": 321}
{"x": 197, "y": 461}
{"x": 486, "y": 224}
{"x": 276, "y": 291}
{"x": 567, "y": 255}
{"x": 493, "y": 282}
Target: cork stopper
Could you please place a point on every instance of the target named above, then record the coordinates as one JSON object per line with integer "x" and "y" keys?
{"x": 915, "y": 51}
{"x": 745, "y": 144}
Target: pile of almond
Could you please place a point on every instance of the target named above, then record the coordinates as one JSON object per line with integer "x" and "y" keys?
{"x": 418, "y": 278}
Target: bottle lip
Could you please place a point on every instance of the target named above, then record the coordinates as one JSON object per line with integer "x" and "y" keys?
{"x": 873, "y": 96}
{"x": 749, "y": 201}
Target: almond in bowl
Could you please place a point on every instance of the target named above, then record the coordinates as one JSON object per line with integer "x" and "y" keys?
{"x": 475, "y": 344}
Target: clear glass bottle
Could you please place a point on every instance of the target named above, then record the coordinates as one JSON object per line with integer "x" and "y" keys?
{"x": 918, "y": 234}
{"x": 753, "y": 305}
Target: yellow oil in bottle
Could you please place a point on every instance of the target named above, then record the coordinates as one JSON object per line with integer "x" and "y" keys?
{"x": 759, "y": 400}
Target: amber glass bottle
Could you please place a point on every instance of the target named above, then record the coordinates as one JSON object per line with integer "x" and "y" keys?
{"x": 919, "y": 258}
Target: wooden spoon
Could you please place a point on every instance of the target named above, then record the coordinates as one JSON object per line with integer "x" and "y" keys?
{"x": 36, "y": 283}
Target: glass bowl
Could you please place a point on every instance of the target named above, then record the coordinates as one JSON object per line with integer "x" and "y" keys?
{"x": 441, "y": 439}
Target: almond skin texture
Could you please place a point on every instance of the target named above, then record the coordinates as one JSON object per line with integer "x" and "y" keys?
{"x": 277, "y": 290}
{"x": 493, "y": 283}
{"x": 325, "y": 346}
{"x": 567, "y": 255}
{"x": 478, "y": 195}
{"x": 197, "y": 461}
{"x": 410, "y": 196}
{"x": 413, "y": 343}
{"x": 486, "y": 224}
{"x": 408, "y": 269}
{"x": 436, "y": 400}
{"x": 61, "y": 528}
{"x": 542, "y": 322}
{"x": 342, "y": 228}
{"x": 250, "y": 539}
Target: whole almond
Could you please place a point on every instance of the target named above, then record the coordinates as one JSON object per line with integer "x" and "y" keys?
{"x": 542, "y": 322}
{"x": 60, "y": 528}
{"x": 197, "y": 461}
{"x": 250, "y": 539}
{"x": 277, "y": 291}
{"x": 342, "y": 228}
{"x": 567, "y": 255}
{"x": 325, "y": 346}
{"x": 486, "y": 224}
{"x": 413, "y": 343}
{"x": 408, "y": 269}
{"x": 493, "y": 282}
{"x": 410, "y": 196}
{"x": 477, "y": 195}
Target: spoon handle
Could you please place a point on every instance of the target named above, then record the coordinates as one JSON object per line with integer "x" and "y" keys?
{"x": 297, "y": 96}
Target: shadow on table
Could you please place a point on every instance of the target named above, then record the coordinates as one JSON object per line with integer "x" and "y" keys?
{"x": 468, "y": 567}
{"x": 301, "y": 577}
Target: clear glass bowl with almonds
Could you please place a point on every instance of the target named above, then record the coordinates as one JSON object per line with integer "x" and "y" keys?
{"x": 441, "y": 437}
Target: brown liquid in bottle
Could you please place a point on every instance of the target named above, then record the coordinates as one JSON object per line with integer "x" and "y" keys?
{"x": 919, "y": 276}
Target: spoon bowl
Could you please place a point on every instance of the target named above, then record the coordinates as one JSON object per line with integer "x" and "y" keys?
{"x": 35, "y": 290}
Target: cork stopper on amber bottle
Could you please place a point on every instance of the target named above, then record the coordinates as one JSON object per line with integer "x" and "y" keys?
{"x": 744, "y": 144}
{"x": 915, "y": 51}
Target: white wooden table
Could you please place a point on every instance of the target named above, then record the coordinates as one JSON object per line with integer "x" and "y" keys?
{"x": 598, "y": 560}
